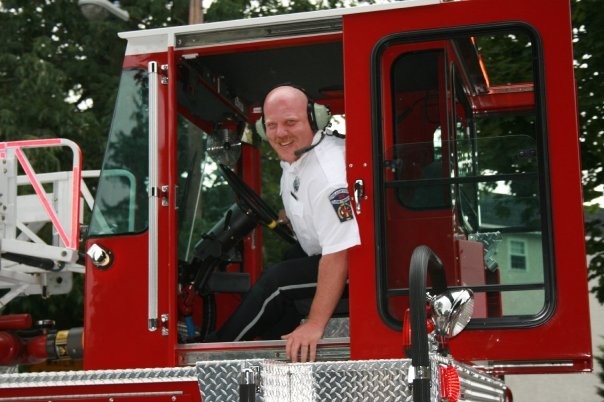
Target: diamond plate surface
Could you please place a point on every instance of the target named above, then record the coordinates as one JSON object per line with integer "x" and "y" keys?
{"x": 338, "y": 381}
{"x": 219, "y": 380}
{"x": 60, "y": 378}
{"x": 337, "y": 327}
{"x": 372, "y": 380}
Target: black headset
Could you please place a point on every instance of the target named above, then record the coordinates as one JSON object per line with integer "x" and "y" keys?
{"x": 318, "y": 115}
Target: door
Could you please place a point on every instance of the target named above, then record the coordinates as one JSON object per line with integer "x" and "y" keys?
{"x": 128, "y": 300}
{"x": 457, "y": 132}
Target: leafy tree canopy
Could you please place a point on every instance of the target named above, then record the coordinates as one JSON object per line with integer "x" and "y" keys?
{"x": 588, "y": 23}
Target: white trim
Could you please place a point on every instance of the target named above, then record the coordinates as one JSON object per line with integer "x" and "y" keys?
{"x": 160, "y": 39}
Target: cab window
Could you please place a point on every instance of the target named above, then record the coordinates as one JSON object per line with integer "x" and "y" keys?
{"x": 121, "y": 204}
{"x": 464, "y": 172}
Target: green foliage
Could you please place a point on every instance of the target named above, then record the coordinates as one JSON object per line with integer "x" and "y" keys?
{"x": 224, "y": 10}
{"x": 600, "y": 360}
{"x": 589, "y": 54}
{"x": 58, "y": 77}
{"x": 273, "y": 246}
{"x": 588, "y": 23}
{"x": 67, "y": 311}
{"x": 47, "y": 56}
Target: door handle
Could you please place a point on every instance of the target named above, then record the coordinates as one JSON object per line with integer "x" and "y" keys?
{"x": 359, "y": 193}
{"x": 100, "y": 257}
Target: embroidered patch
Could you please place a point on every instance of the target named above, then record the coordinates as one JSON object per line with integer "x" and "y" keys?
{"x": 340, "y": 201}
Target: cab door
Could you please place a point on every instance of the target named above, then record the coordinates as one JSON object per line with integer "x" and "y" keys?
{"x": 458, "y": 139}
{"x": 130, "y": 269}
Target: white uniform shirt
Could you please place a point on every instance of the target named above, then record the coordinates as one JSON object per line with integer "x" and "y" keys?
{"x": 316, "y": 200}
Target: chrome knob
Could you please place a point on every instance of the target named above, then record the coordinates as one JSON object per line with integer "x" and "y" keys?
{"x": 100, "y": 257}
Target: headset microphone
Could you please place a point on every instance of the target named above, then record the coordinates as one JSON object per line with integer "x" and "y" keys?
{"x": 303, "y": 150}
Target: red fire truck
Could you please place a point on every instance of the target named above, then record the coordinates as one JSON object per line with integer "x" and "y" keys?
{"x": 460, "y": 122}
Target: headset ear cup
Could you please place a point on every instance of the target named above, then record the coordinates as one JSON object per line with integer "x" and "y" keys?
{"x": 260, "y": 128}
{"x": 322, "y": 116}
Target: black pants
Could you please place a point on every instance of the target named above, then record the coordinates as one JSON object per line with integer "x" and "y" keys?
{"x": 269, "y": 310}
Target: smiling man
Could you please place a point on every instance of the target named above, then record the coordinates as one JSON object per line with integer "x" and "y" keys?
{"x": 315, "y": 197}
{"x": 286, "y": 121}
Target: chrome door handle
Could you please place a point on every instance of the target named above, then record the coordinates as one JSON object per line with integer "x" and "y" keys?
{"x": 100, "y": 257}
{"x": 359, "y": 193}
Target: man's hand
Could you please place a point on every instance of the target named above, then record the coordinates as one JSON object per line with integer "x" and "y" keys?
{"x": 303, "y": 342}
{"x": 282, "y": 217}
{"x": 333, "y": 271}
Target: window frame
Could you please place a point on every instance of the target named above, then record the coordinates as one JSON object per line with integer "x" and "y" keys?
{"x": 379, "y": 109}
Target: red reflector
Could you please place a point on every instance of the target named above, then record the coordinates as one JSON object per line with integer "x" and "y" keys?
{"x": 407, "y": 329}
{"x": 449, "y": 383}
{"x": 406, "y": 333}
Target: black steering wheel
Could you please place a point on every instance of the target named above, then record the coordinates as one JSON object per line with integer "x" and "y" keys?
{"x": 262, "y": 212}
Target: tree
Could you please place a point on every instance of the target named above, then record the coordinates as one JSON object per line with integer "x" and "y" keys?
{"x": 588, "y": 23}
{"x": 59, "y": 75}
{"x": 600, "y": 360}
{"x": 55, "y": 83}
{"x": 47, "y": 90}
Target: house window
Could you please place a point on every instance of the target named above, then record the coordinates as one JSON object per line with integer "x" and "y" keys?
{"x": 518, "y": 254}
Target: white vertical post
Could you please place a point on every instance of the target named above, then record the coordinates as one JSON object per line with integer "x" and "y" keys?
{"x": 153, "y": 196}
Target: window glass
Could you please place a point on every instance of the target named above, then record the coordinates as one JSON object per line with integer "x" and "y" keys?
{"x": 418, "y": 163}
{"x": 203, "y": 193}
{"x": 517, "y": 254}
{"x": 121, "y": 202}
{"x": 464, "y": 174}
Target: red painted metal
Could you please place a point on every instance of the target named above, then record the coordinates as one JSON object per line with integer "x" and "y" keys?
{"x": 116, "y": 333}
{"x": 15, "y": 349}
{"x": 10, "y": 348}
{"x": 115, "y": 320}
{"x": 145, "y": 391}
{"x": 518, "y": 97}
{"x": 370, "y": 337}
{"x": 15, "y": 321}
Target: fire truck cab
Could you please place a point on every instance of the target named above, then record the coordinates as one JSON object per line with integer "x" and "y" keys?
{"x": 460, "y": 122}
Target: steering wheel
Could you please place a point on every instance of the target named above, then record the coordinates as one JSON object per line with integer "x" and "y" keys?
{"x": 263, "y": 213}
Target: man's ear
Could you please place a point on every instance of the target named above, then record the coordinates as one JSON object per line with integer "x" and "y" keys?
{"x": 260, "y": 128}
{"x": 322, "y": 116}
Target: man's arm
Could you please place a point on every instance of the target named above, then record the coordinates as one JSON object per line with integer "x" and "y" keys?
{"x": 333, "y": 272}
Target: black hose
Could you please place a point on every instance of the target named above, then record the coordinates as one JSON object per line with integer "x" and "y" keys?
{"x": 423, "y": 261}
{"x": 247, "y": 386}
{"x": 247, "y": 393}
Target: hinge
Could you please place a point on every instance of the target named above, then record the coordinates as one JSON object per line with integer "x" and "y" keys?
{"x": 164, "y": 196}
{"x": 164, "y": 74}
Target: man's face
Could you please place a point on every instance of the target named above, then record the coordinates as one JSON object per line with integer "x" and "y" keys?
{"x": 286, "y": 122}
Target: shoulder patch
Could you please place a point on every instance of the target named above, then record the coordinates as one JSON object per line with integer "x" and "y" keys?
{"x": 340, "y": 201}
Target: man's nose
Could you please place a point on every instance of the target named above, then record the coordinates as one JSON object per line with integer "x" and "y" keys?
{"x": 281, "y": 130}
